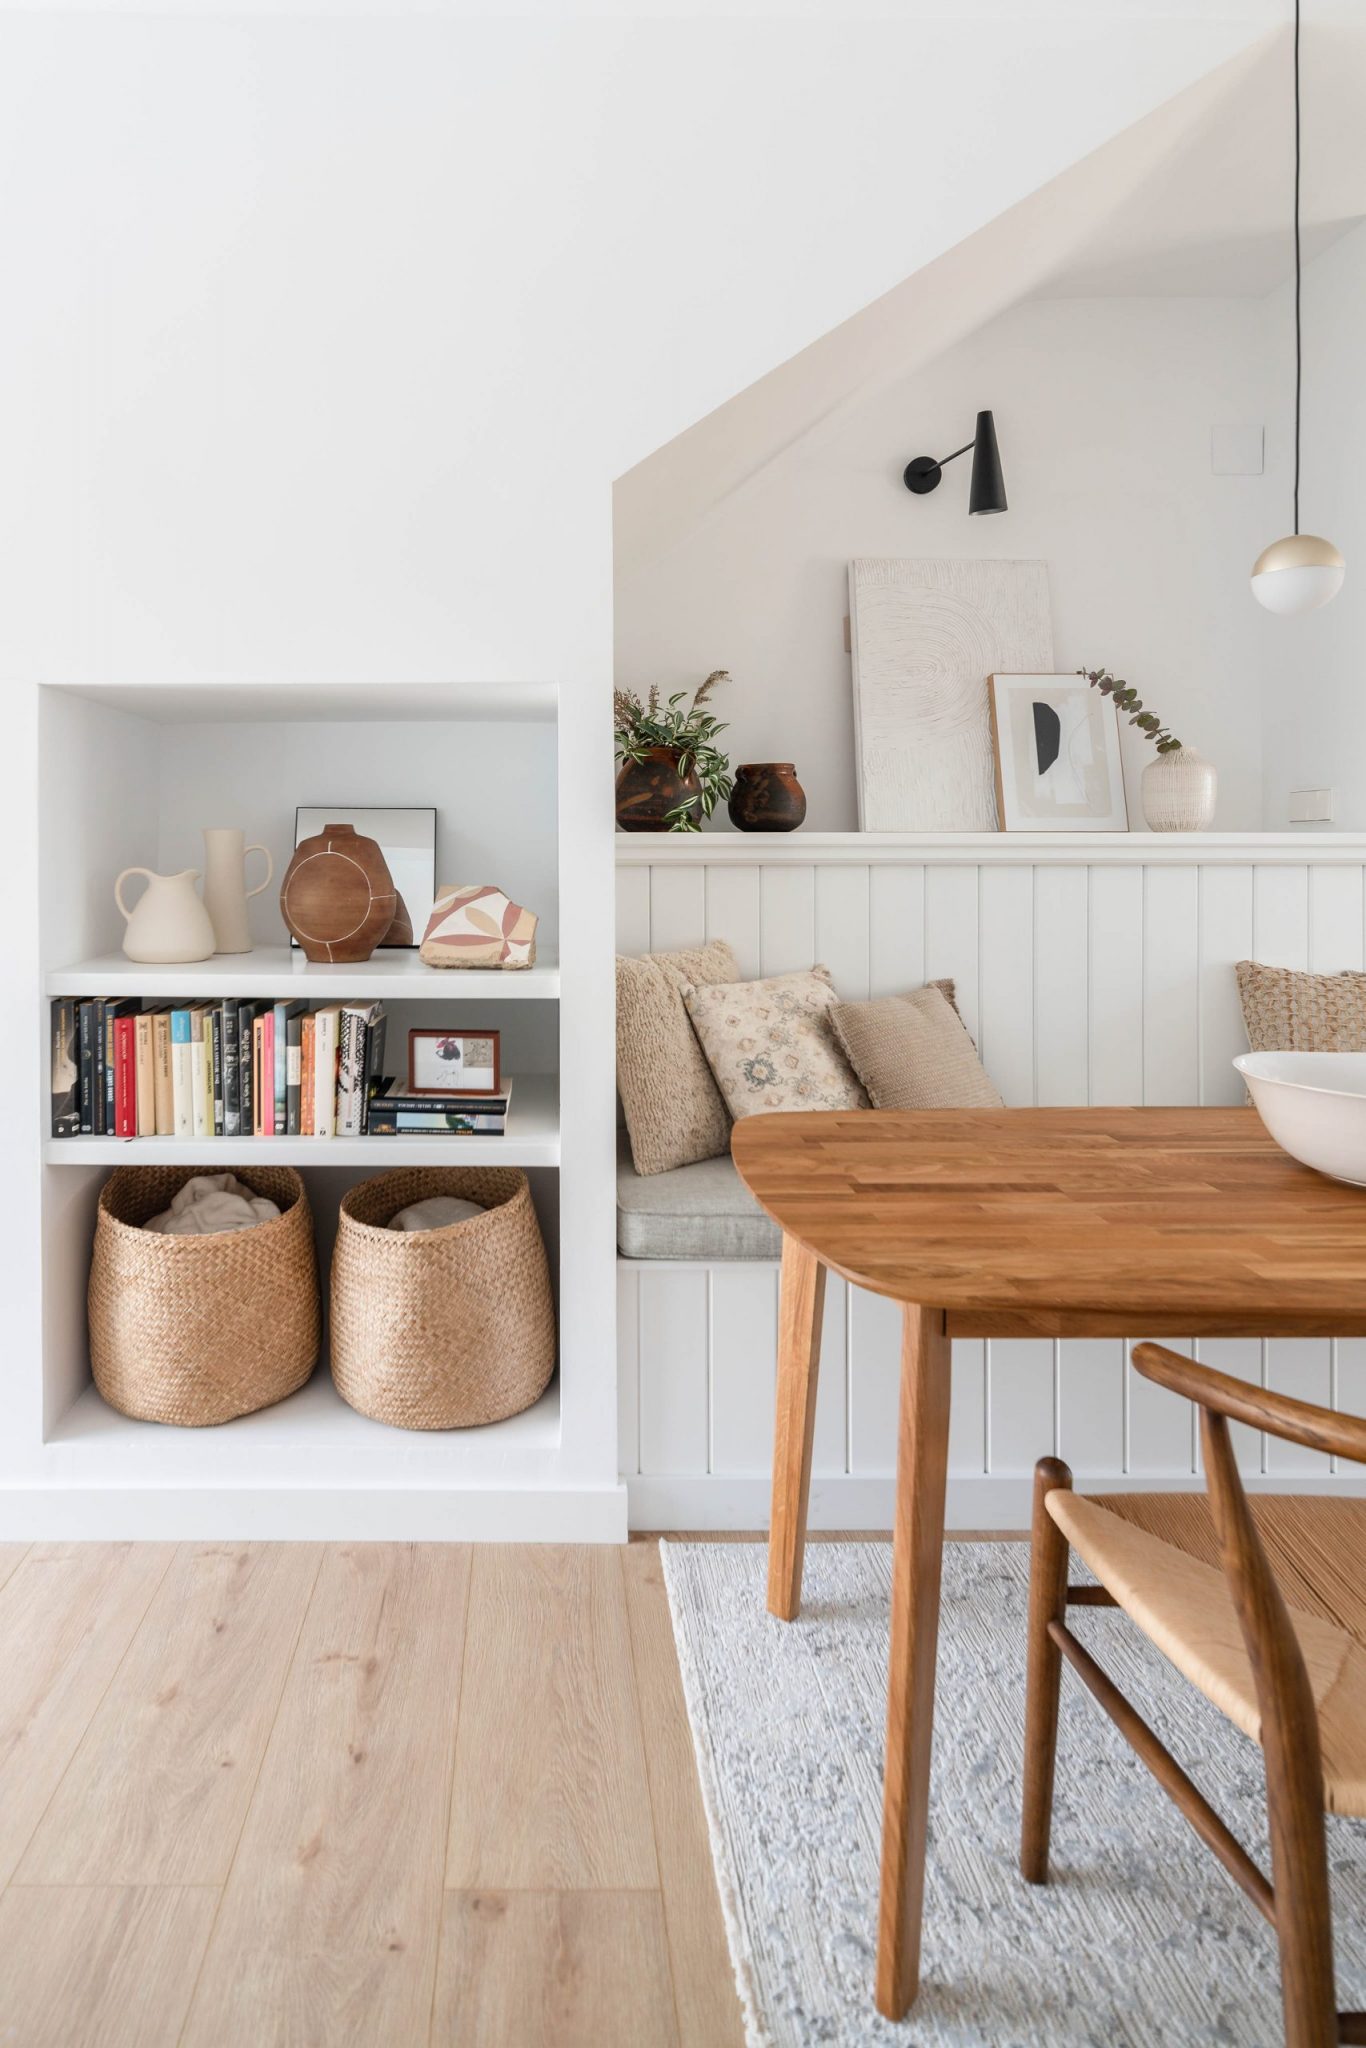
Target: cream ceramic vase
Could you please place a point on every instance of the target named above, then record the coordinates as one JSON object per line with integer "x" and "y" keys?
{"x": 1179, "y": 791}
{"x": 226, "y": 894}
{"x": 168, "y": 923}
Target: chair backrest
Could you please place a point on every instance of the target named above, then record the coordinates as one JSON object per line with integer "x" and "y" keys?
{"x": 1300, "y": 1422}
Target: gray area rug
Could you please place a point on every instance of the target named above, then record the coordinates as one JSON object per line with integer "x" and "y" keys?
{"x": 1140, "y": 1939}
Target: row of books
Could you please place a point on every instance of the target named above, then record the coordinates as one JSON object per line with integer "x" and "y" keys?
{"x": 242, "y": 1069}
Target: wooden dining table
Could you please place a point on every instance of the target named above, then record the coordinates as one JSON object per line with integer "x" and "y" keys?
{"x": 1015, "y": 1223}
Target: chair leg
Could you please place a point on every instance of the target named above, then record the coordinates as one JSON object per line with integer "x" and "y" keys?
{"x": 801, "y": 1305}
{"x": 1299, "y": 1865}
{"x": 1047, "y": 1602}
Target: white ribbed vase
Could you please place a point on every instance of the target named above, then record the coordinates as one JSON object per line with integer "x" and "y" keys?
{"x": 1179, "y": 790}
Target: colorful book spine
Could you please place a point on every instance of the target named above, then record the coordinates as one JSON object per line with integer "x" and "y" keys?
{"x": 201, "y": 1079}
{"x": 386, "y": 1122}
{"x": 144, "y": 1063}
{"x": 215, "y": 1036}
{"x": 125, "y": 1077}
{"x": 246, "y": 1074}
{"x": 232, "y": 1087}
{"x": 258, "y": 1028}
{"x": 327, "y": 1028}
{"x": 107, "y": 1051}
{"x": 294, "y": 1069}
{"x": 267, "y": 1085}
{"x": 66, "y": 1070}
{"x": 182, "y": 1074}
{"x": 163, "y": 1085}
{"x": 97, "y": 1010}
{"x": 306, "y": 1039}
{"x": 85, "y": 1032}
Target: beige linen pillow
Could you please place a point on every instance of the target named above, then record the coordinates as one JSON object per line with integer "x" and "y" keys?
{"x": 770, "y": 1045}
{"x": 1288, "y": 1011}
{"x": 914, "y": 1052}
{"x": 674, "y": 1111}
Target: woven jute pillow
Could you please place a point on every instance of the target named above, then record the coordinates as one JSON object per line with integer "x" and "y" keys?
{"x": 1286, "y": 1010}
{"x": 913, "y": 1052}
{"x": 675, "y": 1114}
{"x": 196, "y": 1330}
{"x": 770, "y": 1045}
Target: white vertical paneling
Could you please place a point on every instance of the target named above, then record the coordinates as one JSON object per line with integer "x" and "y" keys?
{"x": 842, "y": 928}
{"x": 896, "y": 929}
{"x": 1006, "y": 951}
{"x": 673, "y": 1369}
{"x": 787, "y": 930}
{"x": 633, "y": 911}
{"x": 744, "y": 1345}
{"x": 1335, "y": 935}
{"x": 1116, "y": 983}
{"x": 1061, "y": 996}
{"x": 1158, "y": 1426}
{"x": 830, "y": 1448}
{"x": 1280, "y": 916}
{"x": 968, "y": 1409}
{"x": 1301, "y": 1367}
{"x": 1019, "y": 1402}
{"x": 1171, "y": 985}
{"x": 1242, "y": 1359}
{"x": 732, "y": 914}
{"x": 874, "y": 1381}
{"x": 1225, "y": 939}
{"x": 1091, "y": 1403}
{"x": 678, "y": 910}
{"x": 951, "y": 936}
{"x": 628, "y": 1366}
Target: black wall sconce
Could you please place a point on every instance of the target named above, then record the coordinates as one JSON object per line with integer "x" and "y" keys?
{"x": 988, "y": 490}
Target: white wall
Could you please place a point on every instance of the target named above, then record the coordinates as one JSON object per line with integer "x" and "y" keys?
{"x": 1103, "y": 410}
{"x": 1314, "y": 668}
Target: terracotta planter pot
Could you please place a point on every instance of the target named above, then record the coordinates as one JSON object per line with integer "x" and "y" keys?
{"x": 338, "y": 895}
{"x": 648, "y": 790}
{"x": 767, "y": 797}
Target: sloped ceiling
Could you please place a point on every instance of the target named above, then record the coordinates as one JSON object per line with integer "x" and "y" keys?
{"x": 1192, "y": 199}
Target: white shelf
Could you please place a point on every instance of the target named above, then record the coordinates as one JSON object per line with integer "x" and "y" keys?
{"x": 987, "y": 849}
{"x": 532, "y": 1139}
{"x": 399, "y": 976}
{"x": 228, "y": 703}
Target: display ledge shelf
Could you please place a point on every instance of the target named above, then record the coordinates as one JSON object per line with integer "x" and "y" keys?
{"x": 989, "y": 849}
{"x": 532, "y": 1139}
{"x": 316, "y": 1422}
{"x": 399, "y": 977}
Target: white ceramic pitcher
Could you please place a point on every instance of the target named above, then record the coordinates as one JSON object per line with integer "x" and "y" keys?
{"x": 225, "y": 891}
{"x": 168, "y": 922}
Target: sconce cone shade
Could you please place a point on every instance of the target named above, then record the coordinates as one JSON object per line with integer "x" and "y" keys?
{"x": 988, "y": 490}
{"x": 1297, "y": 574}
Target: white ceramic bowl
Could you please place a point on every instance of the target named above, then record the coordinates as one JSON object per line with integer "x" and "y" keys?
{"x": 1314, "y": 1106}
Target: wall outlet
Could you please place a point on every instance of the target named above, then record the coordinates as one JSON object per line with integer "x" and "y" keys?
{"x": 1311, "y": 806}
{"x": 1235, "y": 451}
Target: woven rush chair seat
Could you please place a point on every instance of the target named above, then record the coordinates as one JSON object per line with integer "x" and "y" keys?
{"x": 1184, "y": 1607}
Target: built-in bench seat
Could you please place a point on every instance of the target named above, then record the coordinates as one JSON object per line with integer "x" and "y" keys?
{"x": 693, "y": 1212}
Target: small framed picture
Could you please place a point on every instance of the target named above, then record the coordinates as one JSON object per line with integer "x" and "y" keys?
{"x": 1058, "y": 766}
{"x": 453, "y": 1063}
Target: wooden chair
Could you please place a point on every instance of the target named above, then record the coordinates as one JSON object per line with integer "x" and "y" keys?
{"x": 1289, "y": 1678}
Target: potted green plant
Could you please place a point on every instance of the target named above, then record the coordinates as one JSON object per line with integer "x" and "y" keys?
{"x": 1178, "y": 788}
{"x": 672, "y": 773}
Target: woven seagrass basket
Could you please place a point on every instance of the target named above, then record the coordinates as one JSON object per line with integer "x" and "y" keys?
{"x": 441, "y": 1329}
{"x": 195, "y": 1330}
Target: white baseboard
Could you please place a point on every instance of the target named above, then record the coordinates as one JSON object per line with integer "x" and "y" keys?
{"x": 321, "y": 1515}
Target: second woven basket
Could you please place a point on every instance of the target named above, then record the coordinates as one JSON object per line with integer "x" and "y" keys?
{"x": 441, "y": 1329}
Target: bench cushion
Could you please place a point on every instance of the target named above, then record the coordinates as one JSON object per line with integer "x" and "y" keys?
{"x": 692, "y": 1212}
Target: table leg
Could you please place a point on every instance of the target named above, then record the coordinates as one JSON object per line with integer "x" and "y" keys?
{"x": 801, "y": 1305}
{"x": 922, "y": 1474}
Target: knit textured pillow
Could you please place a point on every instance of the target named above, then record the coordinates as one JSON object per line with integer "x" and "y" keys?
{"x": 770, "y": 1045}
{"x": 674, "y": 1111}
{"x": 914, "y": 1052}
{"x": 1289, "y": 1011}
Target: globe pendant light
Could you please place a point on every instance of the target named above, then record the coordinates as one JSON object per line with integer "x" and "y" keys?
{"x": 1302, "y": 571}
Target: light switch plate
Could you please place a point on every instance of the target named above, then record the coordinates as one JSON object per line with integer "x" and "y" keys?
{"x": 1311, "y": 806}
{"x": 1236, "y": 451}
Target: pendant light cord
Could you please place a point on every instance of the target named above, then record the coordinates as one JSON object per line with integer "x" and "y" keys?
{"x": 1298, "y": 345}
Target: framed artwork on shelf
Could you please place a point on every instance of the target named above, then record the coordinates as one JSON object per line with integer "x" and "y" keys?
{"x": 407, "y": 839}
{"x": 454, "y": 1063}
{"x": 1058, "y": 766}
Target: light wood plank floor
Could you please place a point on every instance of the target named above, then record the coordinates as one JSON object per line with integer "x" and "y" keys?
{"x": 330, "y": 1794}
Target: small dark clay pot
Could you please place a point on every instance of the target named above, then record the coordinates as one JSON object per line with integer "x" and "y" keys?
{"x": 767, "y": 797}
{"x": 648, "y": 790}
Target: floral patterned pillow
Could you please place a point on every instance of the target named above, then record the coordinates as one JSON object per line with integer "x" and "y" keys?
{"x": 771, "y": 1046}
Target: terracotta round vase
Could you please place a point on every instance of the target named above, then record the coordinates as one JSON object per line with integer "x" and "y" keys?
{"x": 648, "y": 790}
{"x": 767, "y": 797}
{"x": 338, "y": 895}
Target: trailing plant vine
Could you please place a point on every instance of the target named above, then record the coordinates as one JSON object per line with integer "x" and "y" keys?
{"x": 689, "y": 731}
{"x": 1125, "y": 698}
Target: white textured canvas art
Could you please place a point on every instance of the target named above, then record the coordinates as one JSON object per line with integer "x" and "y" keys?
{"x": 925, "y": 635}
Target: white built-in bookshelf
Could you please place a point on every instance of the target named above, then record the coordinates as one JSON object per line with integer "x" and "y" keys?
{"x": 128, "y": 775}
